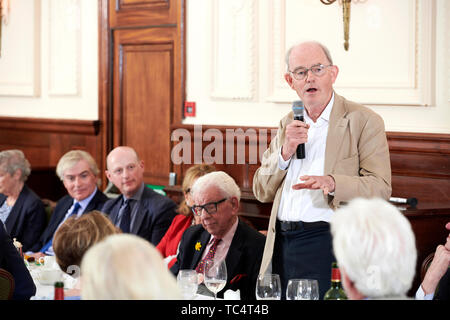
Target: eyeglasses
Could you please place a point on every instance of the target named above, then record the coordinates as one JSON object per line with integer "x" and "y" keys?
{"x": 301, "y": 73}
{"x": 210, "y": 207}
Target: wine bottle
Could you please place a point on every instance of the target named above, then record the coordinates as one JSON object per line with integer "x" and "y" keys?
{"x": 336, "y": 292}
{"x": 59, "y": 290}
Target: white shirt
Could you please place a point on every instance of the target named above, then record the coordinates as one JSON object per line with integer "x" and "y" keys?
{"x": 307, "y": 205}
{"x": 420, "y": 294}
{"x": 83, "y": 205}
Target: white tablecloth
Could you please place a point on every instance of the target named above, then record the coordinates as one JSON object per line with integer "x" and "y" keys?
{"x": 46, "y": 291}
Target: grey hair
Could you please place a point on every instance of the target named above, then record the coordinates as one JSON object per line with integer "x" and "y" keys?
{"x": 324, "y": 48}
{"x": 13, "y": 160}
{"x": 368, "y": 235}
{"x": 219, "y": 179}
{"x": 126, "y": 267}
{"x": 71, "y": 158}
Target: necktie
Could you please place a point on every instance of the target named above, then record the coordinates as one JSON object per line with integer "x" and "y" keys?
{"x": 209, "y": 256}
{"x": 74, "y": 211}
{"x": 125, "y": 212}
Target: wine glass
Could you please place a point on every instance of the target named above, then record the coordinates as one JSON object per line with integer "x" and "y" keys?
{"x": 314, "y": 289}
{"x": 304, "y": 289}
{"x": 268, "y": 287}
{"x": 215, "y": 276}
{"x": 188, "y": 283}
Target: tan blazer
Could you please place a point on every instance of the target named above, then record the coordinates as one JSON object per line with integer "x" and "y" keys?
{"x": 356, "y": 156}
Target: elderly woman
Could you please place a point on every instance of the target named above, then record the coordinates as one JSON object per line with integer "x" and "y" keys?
{"x": 21, "y": 210}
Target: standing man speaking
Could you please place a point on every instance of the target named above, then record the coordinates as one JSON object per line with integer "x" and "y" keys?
{"x": 346, "y": 156}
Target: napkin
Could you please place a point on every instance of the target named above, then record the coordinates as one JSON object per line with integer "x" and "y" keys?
{"x": 232, "y": 295}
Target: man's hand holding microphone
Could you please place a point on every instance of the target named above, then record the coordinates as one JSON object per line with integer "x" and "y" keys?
{"x": 294, "y": 143}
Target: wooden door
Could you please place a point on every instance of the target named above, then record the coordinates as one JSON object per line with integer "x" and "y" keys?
{"x": 146, "y": 57}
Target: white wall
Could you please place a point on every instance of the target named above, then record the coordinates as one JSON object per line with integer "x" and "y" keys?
{"x": 49, "y": 60}
{"x": 397, "y": 64}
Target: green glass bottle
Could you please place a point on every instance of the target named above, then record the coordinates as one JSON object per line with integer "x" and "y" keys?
{"x": 336, "y": 292}
{"x": 59, "y": 291}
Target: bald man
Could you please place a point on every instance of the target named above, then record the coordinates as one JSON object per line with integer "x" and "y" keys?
{"x": 347, "y": 156}
{"x": 139, "y": 210}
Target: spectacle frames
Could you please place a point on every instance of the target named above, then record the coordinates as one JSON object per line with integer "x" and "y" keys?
{"x": 210, "y": 207}
{"x": 301, "y": 73}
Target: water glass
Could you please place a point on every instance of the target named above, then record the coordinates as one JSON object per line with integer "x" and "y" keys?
{"x": 314, "y": 289}
{"x": 304, "y": 289}
{"x": 188, "y": 283}
{"x": 292, "y": 289}
{"x": 268, "y": 287}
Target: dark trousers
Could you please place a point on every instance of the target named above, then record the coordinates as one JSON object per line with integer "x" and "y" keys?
{"x": 305, "y": 252}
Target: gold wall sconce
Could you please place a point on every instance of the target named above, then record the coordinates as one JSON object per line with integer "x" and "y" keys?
{"x": 346, "y": 5}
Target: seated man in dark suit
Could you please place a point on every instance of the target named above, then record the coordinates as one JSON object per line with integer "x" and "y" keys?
{"x": 21, "y": 210}
{"x": 11, "y": 261}
{"x": 216, "y": 200}
{"x": 79, "y": 173}
{"x": 139, "y": 210}
{"x": 436, "y": 283}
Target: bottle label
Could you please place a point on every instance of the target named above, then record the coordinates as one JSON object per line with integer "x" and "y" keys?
{"x": 335, "y": 275}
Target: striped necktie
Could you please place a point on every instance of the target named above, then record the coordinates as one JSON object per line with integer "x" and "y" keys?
{"x": 209, "y": 256}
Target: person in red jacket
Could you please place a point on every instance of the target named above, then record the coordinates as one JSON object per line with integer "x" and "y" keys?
{"x": 168, "y": 246}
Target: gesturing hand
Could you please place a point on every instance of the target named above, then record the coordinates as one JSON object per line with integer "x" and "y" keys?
{"x": 326, "y": 183}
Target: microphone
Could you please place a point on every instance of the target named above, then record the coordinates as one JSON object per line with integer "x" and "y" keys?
{"x": 298, "y": 108}
{"x": 411, "y": 201}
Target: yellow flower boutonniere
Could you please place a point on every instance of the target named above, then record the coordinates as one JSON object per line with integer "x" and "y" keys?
{"x": 198, "y": 246}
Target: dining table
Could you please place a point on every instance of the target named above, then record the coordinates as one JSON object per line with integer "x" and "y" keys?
{"x": 45, "y": 289}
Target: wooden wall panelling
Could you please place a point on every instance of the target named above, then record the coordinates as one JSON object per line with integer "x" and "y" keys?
{"x": 143, "y": 12}
{"x": 104, "y": 84}
{"x": 420, "y": 165}
{"x": 142, "y": 89}
{"x": 43, "y": 142}
{"x": 143, "y": 96}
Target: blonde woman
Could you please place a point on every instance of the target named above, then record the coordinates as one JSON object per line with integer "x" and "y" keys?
{"x": 126, "y": 267}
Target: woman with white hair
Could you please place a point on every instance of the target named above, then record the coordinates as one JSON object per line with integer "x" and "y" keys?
{"x": 375, "y": 248}
{"x": 126, "y": 267}
{"x": 21, "y": 210}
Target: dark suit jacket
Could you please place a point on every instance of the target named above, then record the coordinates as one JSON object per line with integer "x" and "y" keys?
{"x": 443, "y": 290}
{"x": 27, "y": 219}
{"x": 154, "y": 215}
{"x": 60, "y": 211}
{"x": 11, "y": 261}
{"x": 243, "y": 258}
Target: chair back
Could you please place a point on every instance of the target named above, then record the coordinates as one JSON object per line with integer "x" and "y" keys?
{"x": 425, "y": 265}
{"x": 6, "y": 285}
